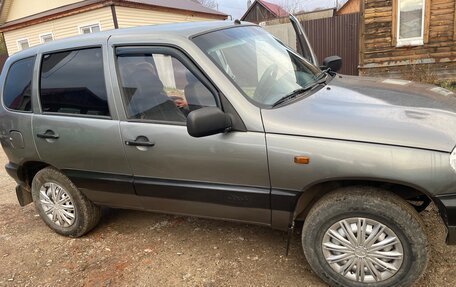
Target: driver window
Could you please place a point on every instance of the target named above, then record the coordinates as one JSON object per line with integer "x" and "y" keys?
{"x": 159, "y": 87}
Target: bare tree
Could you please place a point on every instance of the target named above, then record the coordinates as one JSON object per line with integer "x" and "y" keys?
{"x": 208, "y": 3}
{"x": 291, "y": 6}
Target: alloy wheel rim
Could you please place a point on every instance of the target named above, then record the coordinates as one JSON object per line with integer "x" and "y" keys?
{"x": 363, "y": 250}
{"x": 57, "y": 204}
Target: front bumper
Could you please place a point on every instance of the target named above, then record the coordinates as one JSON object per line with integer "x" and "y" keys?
{"x": 447, "y": 209}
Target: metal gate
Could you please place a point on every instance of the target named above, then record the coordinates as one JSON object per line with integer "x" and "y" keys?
{"x": 338, "y": 35}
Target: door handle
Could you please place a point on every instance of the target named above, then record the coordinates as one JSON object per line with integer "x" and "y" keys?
{"x": 140, "y": 143}
{"x": 48, "y": 135}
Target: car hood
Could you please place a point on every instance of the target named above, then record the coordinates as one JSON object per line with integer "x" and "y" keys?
{"x": 384, "y": 111}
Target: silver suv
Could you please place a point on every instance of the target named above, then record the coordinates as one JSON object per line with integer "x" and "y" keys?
{"x": 221, "y": 120}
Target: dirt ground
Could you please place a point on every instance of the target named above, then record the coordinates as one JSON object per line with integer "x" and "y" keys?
{"x": 131, "y": 248}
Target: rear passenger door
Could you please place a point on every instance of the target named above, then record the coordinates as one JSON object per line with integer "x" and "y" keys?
{"x": 77, "y": 129}
{"x": 16, "y": 118}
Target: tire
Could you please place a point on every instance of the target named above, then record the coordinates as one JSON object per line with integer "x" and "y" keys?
{"x": 371, "y": 208}
{"x": 75, "y": 216}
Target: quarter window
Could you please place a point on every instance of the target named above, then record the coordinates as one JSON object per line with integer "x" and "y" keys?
{"x": 159, "y": 87}
{"x": 18, "y": 86}
{"x": 90, "y": 29}
{"x": 410, "y": 22}
{"x": 72, "y": 82}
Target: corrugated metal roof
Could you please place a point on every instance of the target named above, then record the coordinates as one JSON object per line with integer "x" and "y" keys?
{"x": 274, "y": 8}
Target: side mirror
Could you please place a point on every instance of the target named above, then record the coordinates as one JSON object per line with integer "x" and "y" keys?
{"x": 332, "y": 62}
{"x": 207, "y": 121}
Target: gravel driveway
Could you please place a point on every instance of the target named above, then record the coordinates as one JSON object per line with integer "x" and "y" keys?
{"x": 132, "y": 248}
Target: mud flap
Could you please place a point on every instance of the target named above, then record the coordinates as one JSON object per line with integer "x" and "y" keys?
{"x": 23, "y": 195}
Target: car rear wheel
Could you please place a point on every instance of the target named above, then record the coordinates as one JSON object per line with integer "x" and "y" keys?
{"x": 361, "y": 236}
{"x": 61, "y": 205}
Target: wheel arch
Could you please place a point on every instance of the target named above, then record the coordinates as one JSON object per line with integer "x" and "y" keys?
{"x": 29, "y": 169}
{"x": 313, "y": 192}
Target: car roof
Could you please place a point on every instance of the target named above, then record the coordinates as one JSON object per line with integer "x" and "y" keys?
{"x": 186, "y": 29}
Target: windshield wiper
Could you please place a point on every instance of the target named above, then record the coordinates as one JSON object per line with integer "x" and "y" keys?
{"x": 292, "y": 95}
{"x": 319, "y": 79}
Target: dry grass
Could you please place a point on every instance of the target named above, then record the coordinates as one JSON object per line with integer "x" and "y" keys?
{"x": 424, "y": 73}
{"x": 420, "y": 73}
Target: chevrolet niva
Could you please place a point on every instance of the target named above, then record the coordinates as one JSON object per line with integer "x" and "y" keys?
{"x": 222, "y": 120}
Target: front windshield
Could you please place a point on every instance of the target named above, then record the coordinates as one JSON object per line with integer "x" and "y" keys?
{"x": 262, "y": 68}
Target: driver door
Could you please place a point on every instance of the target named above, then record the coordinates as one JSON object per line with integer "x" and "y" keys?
{"x": 221, "y": 176}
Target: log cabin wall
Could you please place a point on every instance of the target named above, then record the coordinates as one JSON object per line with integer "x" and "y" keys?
{"x": 380, "y": 55}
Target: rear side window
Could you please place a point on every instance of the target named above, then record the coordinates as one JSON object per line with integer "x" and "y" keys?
{"x": 72, "y": 82}
{"x": 17, "y": 94}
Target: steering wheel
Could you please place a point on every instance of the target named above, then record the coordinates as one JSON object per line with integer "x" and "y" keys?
{"x": 266, "y": 83}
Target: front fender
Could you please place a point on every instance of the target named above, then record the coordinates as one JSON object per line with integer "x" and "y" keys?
{"x": 331, "y": 159}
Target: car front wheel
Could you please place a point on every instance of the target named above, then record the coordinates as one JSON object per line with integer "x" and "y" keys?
{"x": 361, "y": 236}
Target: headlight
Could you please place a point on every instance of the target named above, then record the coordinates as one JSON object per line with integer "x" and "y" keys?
{"x": 453, "y": 159}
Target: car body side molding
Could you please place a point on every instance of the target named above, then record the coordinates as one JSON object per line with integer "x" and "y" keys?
{"x": 281, "y": 202}
{"x": 99, "y": 181}
{"x": 232, "y": 195}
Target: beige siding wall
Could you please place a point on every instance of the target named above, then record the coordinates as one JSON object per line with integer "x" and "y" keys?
{"x": 131, "y": 17}
{"x": 61, "y": 28}
{"x": 24, "y": 8}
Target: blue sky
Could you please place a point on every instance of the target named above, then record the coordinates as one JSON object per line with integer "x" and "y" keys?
{"x": 236, "y": 8}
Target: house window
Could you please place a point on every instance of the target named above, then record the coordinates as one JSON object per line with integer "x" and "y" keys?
{"x": 48, "y": 37}
{"x": 410, "y": 22}
{"x": 89, "y": 29}
{"x": 22, "y": 44}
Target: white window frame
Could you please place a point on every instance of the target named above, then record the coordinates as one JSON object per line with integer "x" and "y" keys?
{"x": 89, "y": 25}
{"x": 18, "y": 42}
{"x": 45, "y": 34}
{"x": 415, "y": 41}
